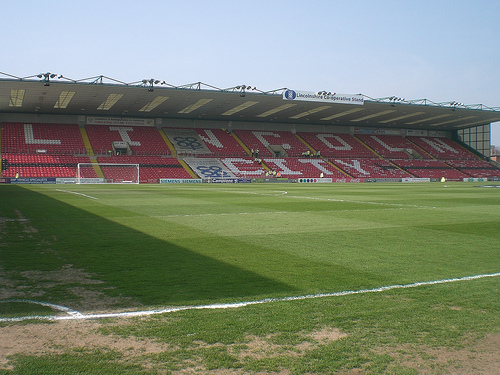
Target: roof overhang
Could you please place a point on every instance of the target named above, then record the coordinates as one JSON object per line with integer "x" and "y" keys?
{"x": 150, "y": 99}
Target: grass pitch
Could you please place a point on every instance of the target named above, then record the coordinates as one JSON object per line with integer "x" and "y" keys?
{"x": 102, "y": 248}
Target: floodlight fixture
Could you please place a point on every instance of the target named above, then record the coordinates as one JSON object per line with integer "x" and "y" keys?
{"x": 395, "y": 99}
{"x": 46, "y": 77}
{"x": 151, "y": 82}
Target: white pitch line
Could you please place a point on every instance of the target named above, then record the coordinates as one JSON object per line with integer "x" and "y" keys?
{"x": 251, "y": 213}
{"x": 74, "y": 192}
{"x": 283, "y": 193}
{"x": 259, "y": 213}
{"x": 51, "y": 305}
{"x": 75, "y": 315}
{"x": 359, "y": 202}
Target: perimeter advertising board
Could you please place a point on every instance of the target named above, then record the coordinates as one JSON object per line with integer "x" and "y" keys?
{"x": 180, "y": 181}
{"x": 31, "y": 180}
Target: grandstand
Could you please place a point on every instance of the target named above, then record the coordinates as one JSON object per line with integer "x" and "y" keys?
{"x": 200, "y": 132}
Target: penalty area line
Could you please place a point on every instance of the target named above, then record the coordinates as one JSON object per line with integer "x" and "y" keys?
{"x": 74, "y": 315}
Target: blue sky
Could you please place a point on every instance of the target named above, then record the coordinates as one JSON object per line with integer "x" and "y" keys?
{"x": 441, "y": 50}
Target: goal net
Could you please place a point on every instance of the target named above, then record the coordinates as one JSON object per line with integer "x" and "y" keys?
{"x": 107, "y": 173}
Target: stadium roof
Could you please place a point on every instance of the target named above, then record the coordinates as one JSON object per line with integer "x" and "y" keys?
{"x": 103, "y": 96}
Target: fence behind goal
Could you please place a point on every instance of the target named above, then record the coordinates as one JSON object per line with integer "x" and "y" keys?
{"x": 107, "y": 173}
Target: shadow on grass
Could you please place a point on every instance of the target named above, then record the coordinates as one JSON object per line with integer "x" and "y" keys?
{"x": 128, "y": 262}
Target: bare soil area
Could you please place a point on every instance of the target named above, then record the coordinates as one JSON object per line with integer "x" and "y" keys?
{"x": 66, "y": 336}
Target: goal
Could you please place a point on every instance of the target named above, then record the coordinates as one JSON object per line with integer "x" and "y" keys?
{"x": 107, "y": 173}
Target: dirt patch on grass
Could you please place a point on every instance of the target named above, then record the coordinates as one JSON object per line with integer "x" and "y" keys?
{"x": 327, "y": 334}
{"x": 64, "y": 336}
{"x": 82, "y": 296}
{"x": 479, "y": 358}
{"x": 85, "y": 292}
{"x": 258, "y": 347}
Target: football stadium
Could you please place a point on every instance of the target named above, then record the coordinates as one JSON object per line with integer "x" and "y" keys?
{"x": 151, "y": 228}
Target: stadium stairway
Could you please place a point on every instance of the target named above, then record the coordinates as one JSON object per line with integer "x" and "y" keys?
{"x": 421, "y": 150}
{"x": 188, "y": 168}
{"x": 338, "y": 168}
{"x": 86, "y": 141}
{"x": 368, "y": 147}
{"x": 306, "y": 143}
{"x": 168, "y": 143}
{"x": 97, "y": 168}
{"x": 93, "y": 158}
{"x": 240, "y": 142}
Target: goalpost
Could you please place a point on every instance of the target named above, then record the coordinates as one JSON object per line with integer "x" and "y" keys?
{"x": 107, "y": 173}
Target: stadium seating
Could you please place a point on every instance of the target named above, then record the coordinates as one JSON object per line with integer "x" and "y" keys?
{"x": 430, "y": 169}
{"x": 337, "y": 145}
{"x": 244, "y": 167}
{"x": 271, "y": 142}
{"x": 393, "y": 146}
{"x": 152, "y": 168}
{"x": 443, "y": 148}
{"x": 42, "y": 138}
{"x": 370, "y": 168}
{"x": 53, "y": 150}
{"x": 42, "y": 165}
{"x": 303, "y": 167}
{"x": 475, "y": 168}
{"x": 143, "y": 140}
{"x": 221, "y": 143}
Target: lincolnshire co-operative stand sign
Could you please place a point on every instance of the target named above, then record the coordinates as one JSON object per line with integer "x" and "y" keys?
{"x": 323, "y": 96}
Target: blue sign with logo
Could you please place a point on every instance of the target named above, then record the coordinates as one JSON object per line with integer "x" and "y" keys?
{"x": 289, "y": 95}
